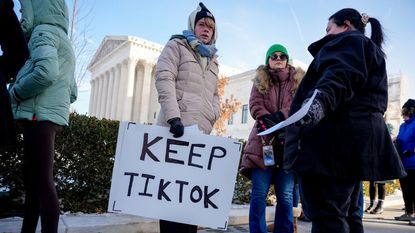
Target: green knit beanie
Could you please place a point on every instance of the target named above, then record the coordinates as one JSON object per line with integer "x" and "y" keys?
{"x": 276, "y": 48}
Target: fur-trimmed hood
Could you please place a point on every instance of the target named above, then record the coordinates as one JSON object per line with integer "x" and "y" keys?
{"x": 262, "y": 80}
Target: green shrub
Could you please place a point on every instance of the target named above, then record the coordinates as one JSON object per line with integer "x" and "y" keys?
{"x": 84, "y": 157}
{"x": 11, "y": 180}
{"x": 83, "y": 164}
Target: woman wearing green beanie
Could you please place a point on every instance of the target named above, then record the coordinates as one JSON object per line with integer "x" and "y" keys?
{"x": 270, "y": 100}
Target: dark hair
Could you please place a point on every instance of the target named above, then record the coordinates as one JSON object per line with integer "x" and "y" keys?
{"x": 355, "y": 18}
{"x": 408, "y": 111}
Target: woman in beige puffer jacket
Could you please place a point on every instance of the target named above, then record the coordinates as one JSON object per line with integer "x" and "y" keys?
{"x": 187, "y": 85}
{"x": 186, "y": 81}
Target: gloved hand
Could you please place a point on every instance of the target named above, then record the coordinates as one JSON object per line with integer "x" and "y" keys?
{"x": 176, "y": 127}
{"x": 277, "y": 117}
{"x": 267, "y": 121}
{"x": 314, "y": 114}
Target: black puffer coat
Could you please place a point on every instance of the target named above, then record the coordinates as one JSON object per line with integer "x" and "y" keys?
{"x": 352, "y": 140}
{"x": 15, "y": 53}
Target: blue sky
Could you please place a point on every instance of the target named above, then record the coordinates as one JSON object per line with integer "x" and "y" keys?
{"x": 247, "y": 28}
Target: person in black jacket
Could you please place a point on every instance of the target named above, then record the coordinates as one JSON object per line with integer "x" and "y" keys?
{"x": 15, "y": 53}
{"x": 343, "y": 138}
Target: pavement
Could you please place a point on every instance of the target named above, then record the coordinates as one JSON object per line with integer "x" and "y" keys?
{"x": 238, "y": 221}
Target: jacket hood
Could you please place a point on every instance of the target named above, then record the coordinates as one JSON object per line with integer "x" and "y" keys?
{"x": 191, "y": 24}
{"x": 37, "y": 12}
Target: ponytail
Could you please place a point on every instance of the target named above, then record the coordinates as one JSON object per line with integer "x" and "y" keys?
{"x": 359, "y": 21}
{"x": 377, "y": 35}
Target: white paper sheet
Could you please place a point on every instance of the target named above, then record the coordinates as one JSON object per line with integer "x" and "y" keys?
{"x": 293, "y": 118}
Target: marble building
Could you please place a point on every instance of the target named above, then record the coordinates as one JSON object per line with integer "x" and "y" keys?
{"x": 122, "y": 79}
{"x": 397, "y": 96}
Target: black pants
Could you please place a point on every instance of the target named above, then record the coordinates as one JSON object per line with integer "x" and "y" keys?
{"x": 372, "y": 190}
{"x": 41, "y": 197}
{"x": 175, "y": 227}
{"x": 331, "y": 203}
{"x": 408, "y": 191}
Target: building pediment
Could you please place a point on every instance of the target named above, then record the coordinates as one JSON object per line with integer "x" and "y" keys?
{"x": 107, "y": 46}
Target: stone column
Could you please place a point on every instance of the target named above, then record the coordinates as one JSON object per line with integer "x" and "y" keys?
{"x": 154, "y": 108}
{"x": 115, "y": 92}
{"x": 92, "y": 97}
{"x": 146, "y": 93}
{"x": 99, "y": 97}
{"x": 96, "y": 97}
{"x": 122, "y": 90}
{"x": 110, "y": 93}
{"x": 129, "y": 89}
{"x": 106, "y": 95}
{"x": 137, "y": 95}
{"x": 102, "y": 98}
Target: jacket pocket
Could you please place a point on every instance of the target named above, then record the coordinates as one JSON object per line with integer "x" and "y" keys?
{"x": 190, "y": 103}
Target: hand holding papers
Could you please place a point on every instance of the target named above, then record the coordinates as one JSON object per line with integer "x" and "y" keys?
{"x": 292, "y": 119}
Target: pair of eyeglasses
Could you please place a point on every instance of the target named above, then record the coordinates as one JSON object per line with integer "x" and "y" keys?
{"x": 282, "y": 57}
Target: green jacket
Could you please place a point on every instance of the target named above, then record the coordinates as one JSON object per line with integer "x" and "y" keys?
{"x": 45, "y": 86}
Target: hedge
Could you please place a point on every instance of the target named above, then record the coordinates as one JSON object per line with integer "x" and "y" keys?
{"x": 84, "y": 158}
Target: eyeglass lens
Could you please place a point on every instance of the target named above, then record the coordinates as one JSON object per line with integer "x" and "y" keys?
{"x": 282, "y": 57}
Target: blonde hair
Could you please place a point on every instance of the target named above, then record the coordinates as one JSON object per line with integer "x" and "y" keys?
{"x": 209, "y": 22}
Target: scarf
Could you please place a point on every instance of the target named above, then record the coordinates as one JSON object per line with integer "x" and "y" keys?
{"x": 202, "y": 49}
{"x": 279, "y": 75}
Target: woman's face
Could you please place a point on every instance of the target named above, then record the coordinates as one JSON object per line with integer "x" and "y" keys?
{"x": 407, "y": 113}
{"x": 333, "y": 28}
{"x": 203, "y": 31}
{"x": 277, "y": 60}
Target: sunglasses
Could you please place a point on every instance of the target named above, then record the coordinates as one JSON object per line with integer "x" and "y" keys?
{"x": 282, "y": 57}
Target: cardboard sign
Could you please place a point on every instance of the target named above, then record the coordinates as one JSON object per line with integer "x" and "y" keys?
{"x": 190, "y": 179}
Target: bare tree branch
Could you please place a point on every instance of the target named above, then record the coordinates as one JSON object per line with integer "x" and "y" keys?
{"x": 80, "y": 27}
